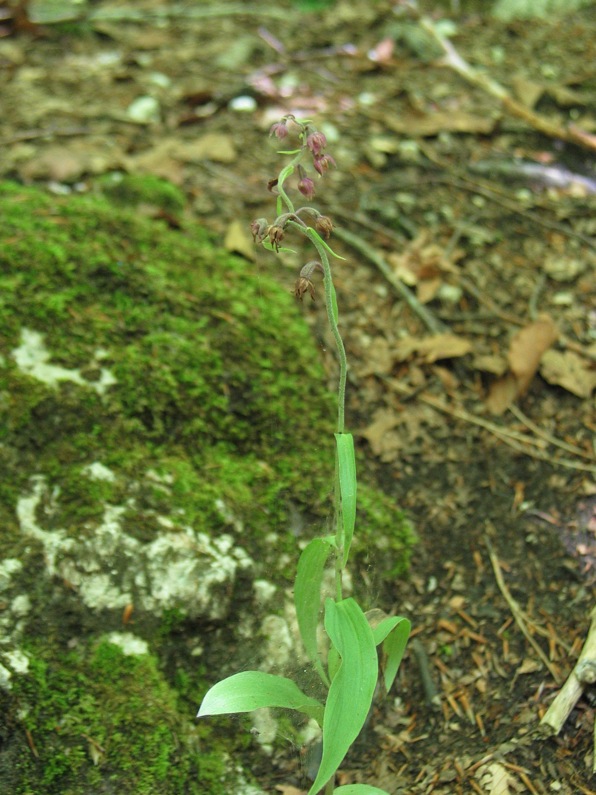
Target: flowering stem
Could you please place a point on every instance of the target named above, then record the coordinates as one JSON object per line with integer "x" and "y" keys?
{"x": 283, "y": 175}
{"x": 332, "y": 316}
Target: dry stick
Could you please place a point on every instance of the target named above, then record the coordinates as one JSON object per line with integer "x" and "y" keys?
{"x": 570, "y": 448}
{"x": 403, "y": 291}
{"x": 453, "y": 59}
{"x": 568, "y": 695}
{"x": 517, "y": 612}
{"x": 514, "y": 439}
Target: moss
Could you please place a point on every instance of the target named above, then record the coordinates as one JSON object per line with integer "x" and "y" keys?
{"x": 217, "y": 418}
{"x": 211, "y": 364}
{"x": 131, "y": 189}
{"x": 102, "y": 721}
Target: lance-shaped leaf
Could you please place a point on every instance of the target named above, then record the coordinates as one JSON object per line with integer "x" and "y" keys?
{"x": 346, "y": 462}
{"x": 393, "y": 632}
{"x": 250, "y": 690}
{"x": 352, "y": 688}
{"x": 307, "y": 597}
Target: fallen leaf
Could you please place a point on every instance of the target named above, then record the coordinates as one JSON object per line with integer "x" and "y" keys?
{"x": 375, "y": 433}
{"x": 490, "y": 363}
{"x": 568, "y": 370}
{"x": 379, "y": 358}
{"x": 288, "y": 789}
{"x": 423, "y": 124}
{"x": 501, "y": 394}
{"x": 443, "y": 346}
{"x": 526, "y": 350}
{"x": 239, "y": 241}
{"x": 431, "y": 349}
{"x": 212, "y": 146}
{"x": 496, "y": 779}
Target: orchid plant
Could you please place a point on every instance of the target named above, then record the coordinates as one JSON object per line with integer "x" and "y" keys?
{"x": 349, "y": 667}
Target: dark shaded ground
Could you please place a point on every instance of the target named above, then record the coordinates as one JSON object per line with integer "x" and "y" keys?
{"x": 429, "y": 176}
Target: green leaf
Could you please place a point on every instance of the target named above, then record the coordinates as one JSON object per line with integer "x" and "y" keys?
{"x": 307, "y": 597}
{"x": 251, "y": 690}
{"x": 346, "y": 461}
{"x": 359, "y": 789}
{"x": 266, "y": 244}
{"x": 352, "y": 688}
{"x": 393, "y": 632}
{"x": 318, "y": 241}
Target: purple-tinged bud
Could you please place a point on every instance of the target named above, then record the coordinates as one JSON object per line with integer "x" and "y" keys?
{"x": 259, "y": 228}
{"x": 307, "y": 187}
{"x": 279, "y": 129}
{"x": 316, "y": 142}
{"x": 322, "y": 163}
{"x": 324, "y": 226}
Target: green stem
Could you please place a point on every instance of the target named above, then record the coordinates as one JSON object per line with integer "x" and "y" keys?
{"x": 286, "y": 172}
{"x": 330, "y": 786}
{"x": 331, "y": 306}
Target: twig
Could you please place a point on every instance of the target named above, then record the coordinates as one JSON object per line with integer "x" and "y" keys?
{"x": 514, "y": 439}
{"x": 454, "y": 60}
{"x": 433, "y": 699}
{"x": 570, "y": 448}
{"x": 517, "y": 612}
{"x": 568, "y": 695}
{"x": 402, "y": 290}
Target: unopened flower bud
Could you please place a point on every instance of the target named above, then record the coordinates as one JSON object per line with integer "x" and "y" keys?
{"x": 307, "y": 187}
{"x": 324, "y": 226}
{"x": 322, "y": 163}
{"x": 259, "y": 229}
{"x": 279, "y": 129}
{"x": 316, "y": 142}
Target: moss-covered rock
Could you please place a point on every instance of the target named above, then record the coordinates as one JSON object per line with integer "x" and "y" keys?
{"x": 163, "y": 421}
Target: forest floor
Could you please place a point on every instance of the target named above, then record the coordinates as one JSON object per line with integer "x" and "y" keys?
{"x": 470, "y": 389}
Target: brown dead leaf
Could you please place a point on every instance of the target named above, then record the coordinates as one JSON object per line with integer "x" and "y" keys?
{"x": 288, "y": 789}
{"x": 496, "y": 779}
{"x": 501, "y": 394}
{"x": 568, "y": 370}
{"x": 211, "y": 146}
{"x": 384, "y": 420}
{"x": 442, "y": 346}
{"x": 379, "y": 358}
{"x": 526, "y": 349}
{"x": 239, "y": 241}
{"x": 431, "y": 349}
{"x": 428, "y": 289}
{"x": 423, "y": 124}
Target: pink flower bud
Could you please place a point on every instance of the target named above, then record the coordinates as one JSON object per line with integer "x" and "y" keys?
{"x": 279, "y": 129}
{"x": 322, "y": 163}
{"x": 259, "y": 228}
{"x": 316, "y": 142}
{"x": 307, "y": 187}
